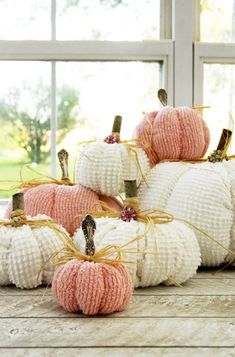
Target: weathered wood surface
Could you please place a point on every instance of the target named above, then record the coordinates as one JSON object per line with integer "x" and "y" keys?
{"x": 207, "y": 286}
{"x": 161, "y": 332}
{"x": 117, "y": 352}
{"x": 140, "y": 306}
{"x": 197, "y": 320}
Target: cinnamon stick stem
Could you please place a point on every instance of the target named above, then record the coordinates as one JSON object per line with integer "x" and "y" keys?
{"x": 130, "y": 188}
{"x": 18, "y": 201}
{"x": 117, "y": 124}
{"x": 224, "y": 139}
{"x": 63, "y": 160}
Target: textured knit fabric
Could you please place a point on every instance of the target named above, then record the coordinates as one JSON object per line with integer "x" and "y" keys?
{"x": 172, "y": 252}
{"x": 25, "y": 253}
{"x": 103, "y": 167}
{"x": 63, "y": 203}
{"x": 173, "y": 133}
{"x": 203, "y": 194}
{"x": 92, "y": 288}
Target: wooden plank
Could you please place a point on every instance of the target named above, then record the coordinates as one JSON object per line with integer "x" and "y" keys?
{"x": 117, "y": 352}
{"x": 105, "y": 332}
{"x": 194, "y": 287}
{"x": 140, "y": 306}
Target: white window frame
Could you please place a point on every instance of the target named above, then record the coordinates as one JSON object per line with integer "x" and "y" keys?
{"x": 54, "y": 50}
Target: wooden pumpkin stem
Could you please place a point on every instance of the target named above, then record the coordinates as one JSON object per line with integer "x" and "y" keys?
{"x": 18, "y": 201}
{"x": 63, "y": 159}
{"x": 88, "y": 228}
{"x": 117, "y": 124}
{"x": 130, "y": 188}
{"x": 162, "y": 96}
{"x": 224, "y": 140}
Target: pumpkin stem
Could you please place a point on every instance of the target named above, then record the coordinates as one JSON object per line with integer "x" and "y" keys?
{"x": 130, "y": 188}
{"x": 18, "y": 201}
{"x": 88, "y": 228}
{"x": 63, "y": 160}
{"x": 162, "y": 96}
{"x": 224, "y": 140}
{"x": 117, "y": 124}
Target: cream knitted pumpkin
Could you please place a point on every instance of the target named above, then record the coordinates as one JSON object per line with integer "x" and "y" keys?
{"x": 176, "y": 252}
{"x": 25, "y": 251}
{"x": 104, "y": 165}
{"x": 201, "y": 193}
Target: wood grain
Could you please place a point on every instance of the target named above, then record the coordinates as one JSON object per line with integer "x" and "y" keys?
{"x": 194, "y": 287}
{"x": 140, "y": 306}
{"x": 106, "y": 332}
{"x": 117, "y": 352}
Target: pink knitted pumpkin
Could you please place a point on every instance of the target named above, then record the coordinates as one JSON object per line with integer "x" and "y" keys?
{"x": 63, "y": 202}
{"x": 173, "y": 133}
{"x": 91, "y": 287}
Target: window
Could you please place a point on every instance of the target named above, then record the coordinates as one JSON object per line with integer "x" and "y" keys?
{"x": 55, "y": 56}
{"x": 214, "y": 64}
{"x": 68, "y": 66}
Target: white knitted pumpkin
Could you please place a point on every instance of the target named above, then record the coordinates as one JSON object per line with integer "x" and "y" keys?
{"x": 167, "y": 253}
{"x": 25, "y": 252}
{"x": 203, "y": 194}
{"x": 104, "y": 165}
{"x": 178, "y": 253}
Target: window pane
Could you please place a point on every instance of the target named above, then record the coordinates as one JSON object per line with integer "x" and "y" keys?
{"x": 24, "y": 118}
{"x": 114, "y": 20}
{"x": 218, "y": 20}
{"x": 25, "y": 19}
{"x": 94, "y": 92}
{"x": 219, "y": 93}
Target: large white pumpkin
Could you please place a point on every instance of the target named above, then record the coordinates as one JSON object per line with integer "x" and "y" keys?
{"x": 25, "y": 253}
{"x": 203, "y": 194}
{"x": 176, "y": 258}
{"x": 104, "y": 165}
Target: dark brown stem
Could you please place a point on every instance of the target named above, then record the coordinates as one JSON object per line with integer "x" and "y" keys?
{"x": 18, "y": 201}
{"x": 162, "y": 96}
{"x": 130, "y": 189}
{"x": 88, "y": 228}
{"x": 224, "y": 139}
{"x": 63, "y": 159}
{"x": 117, "y": 124}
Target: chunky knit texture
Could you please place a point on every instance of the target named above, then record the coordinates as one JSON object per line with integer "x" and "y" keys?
{"x": 25, "y": 253}
{"x": 63, "y": 203}
{"x": 92, "y": 288}
{"x": 203, "y": 194}
{"x": 103, "y": 167}
{"x": 176, "y": 252}
{"x": 173, "y": 133}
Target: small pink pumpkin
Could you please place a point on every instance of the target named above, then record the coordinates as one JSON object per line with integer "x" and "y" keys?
{"x": 92, "y": 287}
{"x": 63, "y": 202}
{"x": 173, "y": 133}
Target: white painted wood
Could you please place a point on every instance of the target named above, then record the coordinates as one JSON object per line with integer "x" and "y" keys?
{"x": 183, "y": 52}
{"x": 53, "y": 121}
{"x": 165, "y": 19}
{"x": 85, "y": 50}
{"x": 223, "y": 53}
{"x": 140, "y": 306}
{"x": 117, "y": 352}
{"x": 101, "y": 331}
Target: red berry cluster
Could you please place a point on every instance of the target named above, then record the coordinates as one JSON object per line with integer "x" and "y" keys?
{"x": 128, "y": 214}
{"x": 112, "y": 139}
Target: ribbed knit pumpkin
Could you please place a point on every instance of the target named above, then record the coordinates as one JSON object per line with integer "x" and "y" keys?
{"x": 92, "y": 287}
{"x": 104, "y": 165}
{"x": 63, "y": 202}
{"x": 25, "y": 248}
{"x": 173, "y": 133}
{"x": 203, "y": 194}
{"x": 168, "y": 252}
